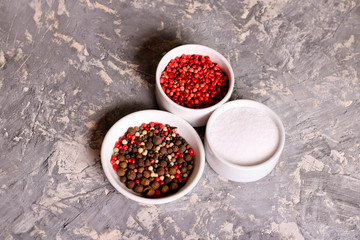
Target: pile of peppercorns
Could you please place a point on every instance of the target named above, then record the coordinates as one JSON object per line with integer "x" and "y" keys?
{"x": 194, "y": 81}
{"x": 153, "y": 159}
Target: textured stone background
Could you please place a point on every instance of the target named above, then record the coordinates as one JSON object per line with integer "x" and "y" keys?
{"x": 70, "y": 69}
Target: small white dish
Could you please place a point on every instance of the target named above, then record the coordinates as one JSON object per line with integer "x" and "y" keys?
{"x": 196, "y": 117}
{"x": 257, "y": 142}
{"x": 147, "y": 116}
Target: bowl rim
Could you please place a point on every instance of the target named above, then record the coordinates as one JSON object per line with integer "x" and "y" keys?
{"x": 207, "y": 109}
{"x": 183, "y": 191}
{"x": 247, "y": 103}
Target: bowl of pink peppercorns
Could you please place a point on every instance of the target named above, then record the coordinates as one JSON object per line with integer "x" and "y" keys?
{"x": 192, "y": 81}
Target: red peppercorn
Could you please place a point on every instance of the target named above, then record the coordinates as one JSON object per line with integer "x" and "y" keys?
{"x": 117, "y": 144}
{"x": 116, "y": 167}
{"x": 157, "y": 179}
{"x": 157, "y": 192}
{"x": 185, "y": 76}
{"x": 191, "y": 151}
{"x": 114, "y": 158}
{"x": 152, "y": 124}
{"x": 180, "y": 180}
{"x": 125, "y": 147}
{"x": 137, "y": 181}
{"x": 129, "y": 136}
{"x": 144, "y": 125}
{"x": 177, "y": 175}
{"x": 162, "y": 182}
{"x": 135, "y": 170}
{"x": 176, "y": 166}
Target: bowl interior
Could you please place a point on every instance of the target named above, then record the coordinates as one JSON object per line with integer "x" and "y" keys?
{"x": 200, "y": 50}
{"x": 147, "y": 116}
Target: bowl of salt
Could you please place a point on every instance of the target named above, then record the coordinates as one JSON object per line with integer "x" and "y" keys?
{"x": 244, "y": 140}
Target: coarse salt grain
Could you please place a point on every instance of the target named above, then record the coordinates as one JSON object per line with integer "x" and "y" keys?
{"x": 244, "y": 136}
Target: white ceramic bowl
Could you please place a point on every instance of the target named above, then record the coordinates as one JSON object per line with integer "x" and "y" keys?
{"x": 147, "y": 116}
{"x": 196, "y": 117}
{"x": 243, "y": 170}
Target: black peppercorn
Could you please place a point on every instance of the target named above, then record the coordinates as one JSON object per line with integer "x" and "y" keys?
{"x": 130, "y": 184}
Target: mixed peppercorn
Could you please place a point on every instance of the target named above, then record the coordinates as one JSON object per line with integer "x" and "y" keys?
{"x": 153, "y": 159}
{"x": 194, "y": 81}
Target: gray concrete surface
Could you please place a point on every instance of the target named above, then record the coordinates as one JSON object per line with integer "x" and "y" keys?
{"x": 70, "y": 69}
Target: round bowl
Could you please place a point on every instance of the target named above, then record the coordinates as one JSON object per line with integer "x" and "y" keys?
{"x": 196, "y": 117}
{"x": 146, "y": 116}
{"x": 245, "y": 170}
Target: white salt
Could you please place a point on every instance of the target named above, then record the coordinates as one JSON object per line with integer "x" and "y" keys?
{"x": 244, "y": 136}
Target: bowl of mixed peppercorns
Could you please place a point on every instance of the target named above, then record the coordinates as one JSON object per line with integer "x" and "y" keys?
{"x": 192, "y": 81}
{"x": 153, "y": 156}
